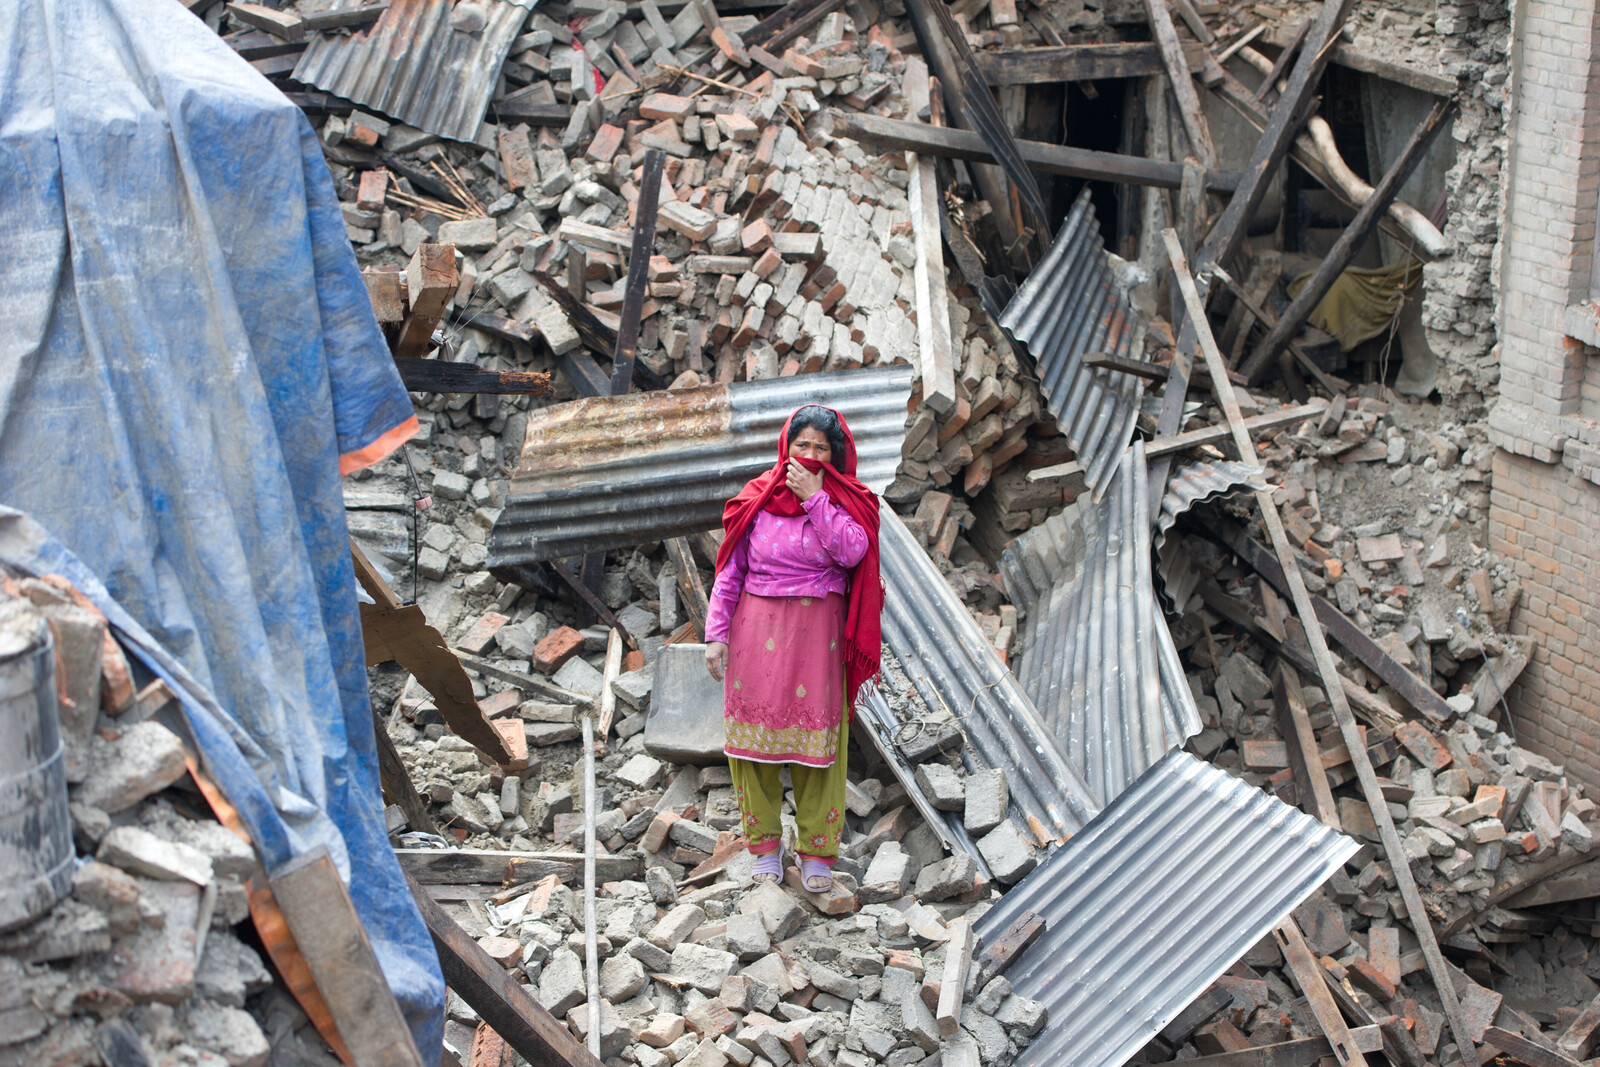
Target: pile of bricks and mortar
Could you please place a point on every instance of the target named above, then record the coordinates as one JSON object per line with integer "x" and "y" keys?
{"x": 149, "y": 957}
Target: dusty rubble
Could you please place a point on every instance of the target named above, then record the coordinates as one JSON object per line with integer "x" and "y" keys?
{"x": 785, "y": 249}
{"x": 150, "y": 958}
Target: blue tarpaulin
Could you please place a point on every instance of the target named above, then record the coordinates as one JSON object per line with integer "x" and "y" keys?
{"x": 187, "y": 359}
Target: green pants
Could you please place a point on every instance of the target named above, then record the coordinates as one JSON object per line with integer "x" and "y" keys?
{"x": 818, "y": 794}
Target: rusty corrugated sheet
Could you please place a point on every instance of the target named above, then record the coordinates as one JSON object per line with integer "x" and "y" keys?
{"x": 1174, "y": 881}
{"x": 412, "y": 67}
{"x": 1068, "y": 308}
{"x": 607, "y": 472}
{"x": 1195, "y": 482}
{"x": 1097, "y": 658}
{"x": 953, "y": 667}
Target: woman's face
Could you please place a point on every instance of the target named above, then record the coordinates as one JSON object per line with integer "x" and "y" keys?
{"x": 811, "y": 443}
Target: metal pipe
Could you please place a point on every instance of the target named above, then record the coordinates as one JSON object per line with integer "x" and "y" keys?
{"x": 591, "y": 946}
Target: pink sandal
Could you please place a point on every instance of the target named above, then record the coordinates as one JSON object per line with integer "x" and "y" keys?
{"x": 768, "y": 869}
{"x": 815, "y": 875}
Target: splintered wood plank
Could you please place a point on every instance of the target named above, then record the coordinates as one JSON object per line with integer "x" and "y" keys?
{"x": 1308, "y": 976}
{"x": 474, "y": 866}
{"x": 1295, "y": 722}
{"x": 935, "y": 348}
{"x": 334, "y": 944}
{"x": 499, "y": 1000}
{"x": 1172, "y": 57}
{"x": 431, "y": 282}
{"x": 958, "y": 954}
{"x": 1354, "y": 740}
{"x": 1013, "y": 941}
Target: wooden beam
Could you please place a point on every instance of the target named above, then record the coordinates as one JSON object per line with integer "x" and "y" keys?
{"x": 644, "y": 243}
{"x": 431, "y": 283}
{"x": 499, "y": 1000}
{"x": 608, "y": 699}
{"x": 1316, "y": 798}
{"x": 1046, "y": 158}
{"x": 953, "y": 982}
{"x": 345, "y": 16}
{"x": 691, "y": 590}
{"x": 1377, "y": 804}
{"x": 1069, "y": 63}
{"x": 939, "y": 54}
{"x": 487, "y": 866}
{"x": 391, "y": 630}
{"x": 1182, "y": 442}
{"x": 998, "y": 956}
{"x": 1349, "y": 243}
{"x": 552, "y": 115}
{"x": 1177, "y": 66}
{"x": 441, "y": 376}
{"x": 936, "y": 354}
{"x": 1308, "y": 976}
{"x": 330, "y": 938}
{"x": 1265, "y": 316}
{"x": 284, "y": 24}
{"x": 1282, "y": 125}
{"x": 1369, "y": 62}
{"x": 1525, "y": 1050}
{"x": 1305, "y": 1052}
{"x": 397, "y": 783}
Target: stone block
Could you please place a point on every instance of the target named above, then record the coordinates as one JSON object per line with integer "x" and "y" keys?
{"x": 640, "y": 772}
{"x": 943, "y": 787}
{"x": 693, "y": 834}
{"x": 986, "y": 801}
{"x": 684, "y": 724}
{"x": 561, "y": 982}
{"x": 621, "y": 977}
{"x": 577, "y": 676}
{"x": 140, "y": 852}
{"x": 747, "y": 937}
{"x": 470, "y": 235}
{"x": 673, "y": 928}
{"x": 633, "y": 689}
{"x": 702, "y": 967}
{"x": 888, "y": 876}
{"x": 780, "y": 913}
{"x": 948, "y": 878}
{"x": 1007, "y": 853}
{"x": 145, "y": 759}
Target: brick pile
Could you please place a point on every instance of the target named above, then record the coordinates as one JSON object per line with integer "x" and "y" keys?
{"x": 781, "y": 249}
{"x": 143, "y": 961}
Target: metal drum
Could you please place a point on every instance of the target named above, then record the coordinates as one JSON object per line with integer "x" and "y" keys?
{"x": 36, "y": 857}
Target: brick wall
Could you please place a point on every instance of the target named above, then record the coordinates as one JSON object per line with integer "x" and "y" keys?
{"x": 1543, "y": 520}
{"x": 1553, "y": 191}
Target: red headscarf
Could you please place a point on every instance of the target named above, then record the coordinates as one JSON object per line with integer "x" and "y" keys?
{"x": 863, "y": 635}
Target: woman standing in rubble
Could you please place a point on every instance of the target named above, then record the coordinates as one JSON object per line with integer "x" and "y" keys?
{"x": 793, "y": 635}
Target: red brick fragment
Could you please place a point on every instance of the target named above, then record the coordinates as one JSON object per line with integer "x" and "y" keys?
{"x": 556, "y": 648}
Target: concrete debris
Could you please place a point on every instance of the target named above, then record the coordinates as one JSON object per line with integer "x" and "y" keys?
{"x": 140, "y": 962}
{"x": 784, "y": 249}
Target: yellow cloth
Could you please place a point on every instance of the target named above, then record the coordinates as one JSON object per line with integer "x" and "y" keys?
{"x": 818, "y": 793}
{"x": 1362, "y": 303}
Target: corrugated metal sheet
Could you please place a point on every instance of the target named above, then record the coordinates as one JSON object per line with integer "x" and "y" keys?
{"x": 1197, "y": 482}
{"x": 953, "y": 667}
{"x": 1068, "y": 308}
{"x": 1155, "y": 899}
{"x": 1097, "y": 659}
{"x": 412, "y": 67}
{"x": 606, "y": 472}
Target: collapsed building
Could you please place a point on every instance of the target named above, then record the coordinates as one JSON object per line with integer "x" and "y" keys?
{"x": 1163, "y": 330}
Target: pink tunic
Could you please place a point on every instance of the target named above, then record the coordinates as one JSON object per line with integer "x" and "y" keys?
{"x": 807, "y": 555}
